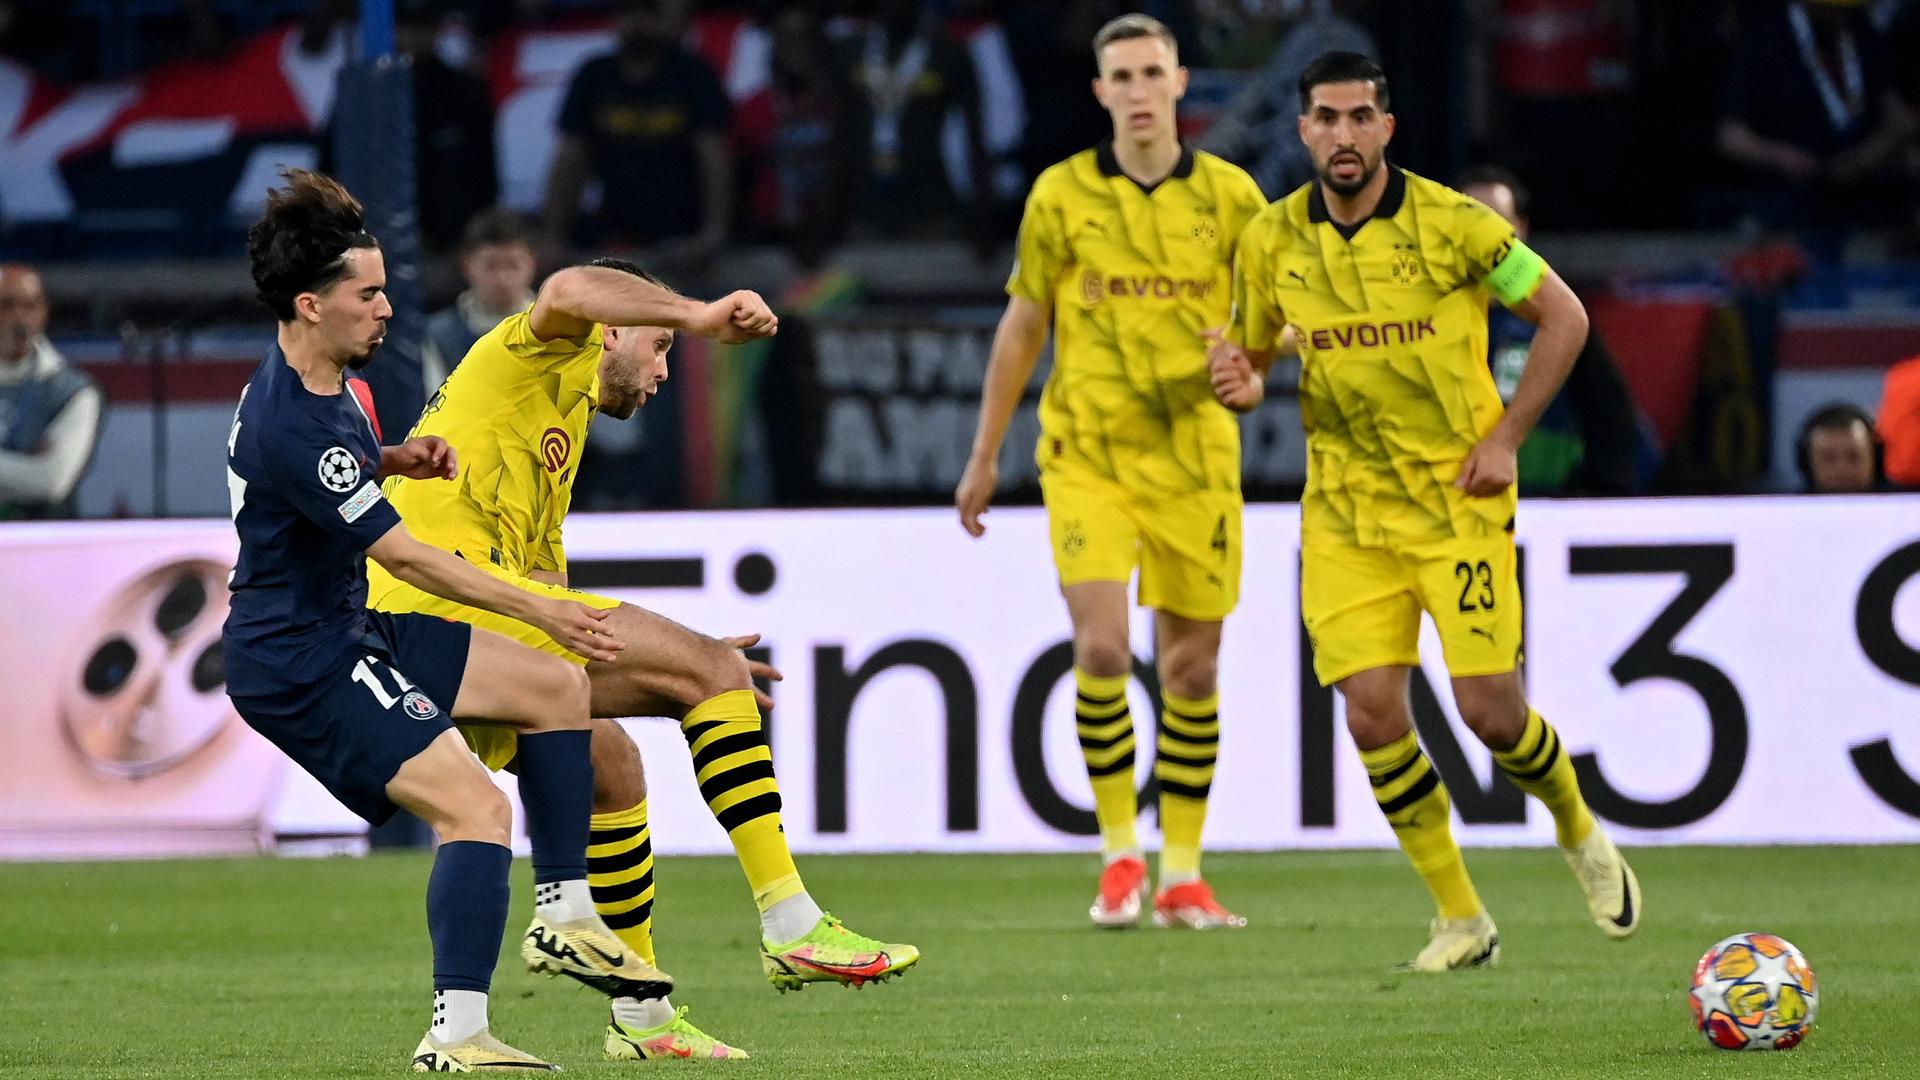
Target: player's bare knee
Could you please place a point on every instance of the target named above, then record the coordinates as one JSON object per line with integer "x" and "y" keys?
{"x": 619, "y": 779}
{"x": 1497, "y": 719}
{"x": 1101, "y": 656}
{"x": 723, "y": 669}
{"x": 1376, "y": 717}
{"x": 1193, "y": 676}
{"x": 473, "y": 810}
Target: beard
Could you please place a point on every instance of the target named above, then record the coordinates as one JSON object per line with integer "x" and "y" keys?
{"x": 359, "y": 363}
{"x": 1346, "y": 188}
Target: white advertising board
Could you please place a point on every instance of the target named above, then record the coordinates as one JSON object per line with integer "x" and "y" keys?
{"x": 1723, "y": 670}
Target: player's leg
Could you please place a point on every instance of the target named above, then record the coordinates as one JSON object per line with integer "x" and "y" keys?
{"x": 1363, "y": 618}
{"x": 1415, "y": 802}
{"x": 668, "y": 668}
{"x": 467, "y": 897}
{"x": 1473, "y": 590}
{"x": 1187, "y": 655}
{"x": 1190, "y": 576}
{"x": 620, "y": 874}
{"x": 1096, "y": 548}
{"x": 544, "y": 699}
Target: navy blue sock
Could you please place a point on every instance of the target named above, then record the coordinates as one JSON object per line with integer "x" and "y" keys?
{"x": 467, "y": 913}
{"x": 556, "y": 788}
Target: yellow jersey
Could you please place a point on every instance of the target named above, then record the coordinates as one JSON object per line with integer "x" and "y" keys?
{"x": 516, "y": 412}
{"x": 1134, "y": 277}
{"x": 1391, "y": 319}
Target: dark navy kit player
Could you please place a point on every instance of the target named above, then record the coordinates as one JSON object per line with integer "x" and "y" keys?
{"x": 363, "y": 700}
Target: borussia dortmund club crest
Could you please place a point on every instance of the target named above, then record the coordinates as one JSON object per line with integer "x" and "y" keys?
{"x": 1405, "y": 268}
{"x": 1205, "y": 232}
{"x": 1075, "y": 541}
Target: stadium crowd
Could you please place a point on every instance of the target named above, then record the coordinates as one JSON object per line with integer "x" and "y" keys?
{"x": 685, "y": 132}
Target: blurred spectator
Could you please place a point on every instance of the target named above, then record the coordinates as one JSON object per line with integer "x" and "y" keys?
{"x": 1810, "y": 102}
{"x": 912, "y": 79}
{"x": 1584, "y": 442}
{"x": 1900, "y": 423}
{"x": 1838, "y": 452}
{"x": 49, "y": 410}
{"x": 650, "y": 122}
{"x": 1258, "y": 130}
{"x": 498, "y": 263}
{"x": 454, "y": 166}
{"x": 812, "y": 165}
{"x": 42, "y": 36}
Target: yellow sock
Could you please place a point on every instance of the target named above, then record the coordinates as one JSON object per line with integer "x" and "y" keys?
{"x": 1188, "y": 746}
{"x": 1539, "y": 766}
{"x": 1106, "y": 741}
{"x": 620, "y": 874}
{"x": 735, "y": 769}
{"x": 1410, "y": 793}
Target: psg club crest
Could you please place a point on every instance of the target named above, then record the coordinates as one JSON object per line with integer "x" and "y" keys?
{"x": 338, "y": 470}
{"x": 419, "y": 706}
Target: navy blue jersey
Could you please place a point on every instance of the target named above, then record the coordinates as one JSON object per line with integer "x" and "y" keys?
{"x": 301, "y": 475}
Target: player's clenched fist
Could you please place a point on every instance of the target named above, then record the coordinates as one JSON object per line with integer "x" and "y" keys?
{"x": 1235, "y": 382}
{"x": 736, "y": 317}
{"x": 580, "y": 628}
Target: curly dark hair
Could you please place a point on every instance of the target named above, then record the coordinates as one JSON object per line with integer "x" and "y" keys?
{"x": 300, "y": 244}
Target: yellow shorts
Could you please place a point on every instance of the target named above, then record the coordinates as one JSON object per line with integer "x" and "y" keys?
{"x": 1362, "y": 605}
{"x": 1186, "y": 546}
{"x": 495, "y": 745}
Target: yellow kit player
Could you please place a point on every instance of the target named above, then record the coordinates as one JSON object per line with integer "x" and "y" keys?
{"x": 1127, "y": 249}
{"x": 516, "y": 411}
{"x": 1382, "y": 277}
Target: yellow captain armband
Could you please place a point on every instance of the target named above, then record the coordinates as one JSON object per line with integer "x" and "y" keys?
{"x": 1517, "y": 274}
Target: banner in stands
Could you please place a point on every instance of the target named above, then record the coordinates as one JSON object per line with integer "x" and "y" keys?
{"x": 1723, "y": 671}
{"x": 897, "y": 391}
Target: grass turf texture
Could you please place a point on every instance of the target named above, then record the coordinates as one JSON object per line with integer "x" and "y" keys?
{"x": 298, "y": 968}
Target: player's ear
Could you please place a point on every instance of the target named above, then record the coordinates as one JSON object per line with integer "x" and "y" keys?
{"x": 1179, "y": 82}
{"x": 306, "y": 306}
{"x": 1100, "y": 91}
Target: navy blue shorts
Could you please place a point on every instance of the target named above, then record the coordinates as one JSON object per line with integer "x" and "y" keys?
{"x": 385, "y": 702}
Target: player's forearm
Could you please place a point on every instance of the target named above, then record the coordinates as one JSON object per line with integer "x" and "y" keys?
{"x": 450, "y": 577}
{"x": 1556, "y": 346}
{"x": 1016, "y": 349}
{"x": 600, "y": 294}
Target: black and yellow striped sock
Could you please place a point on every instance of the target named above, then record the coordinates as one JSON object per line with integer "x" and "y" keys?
{"x": 1415, "y": 802}
{"x": 1539, "y": 766}
{"x": 1105, "y": 728}
{"x": 735, "y": 769}
{"x": 620, "y": 874}
{"x": 1188, "y": 746}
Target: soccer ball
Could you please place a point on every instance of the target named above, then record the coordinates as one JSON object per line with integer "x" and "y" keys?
{"x": 1754, "y": 992}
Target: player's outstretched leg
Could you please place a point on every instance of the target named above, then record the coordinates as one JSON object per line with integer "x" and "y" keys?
{"x": 1415, "y": 802}
{"x": 670, "y": 670}
{"x": 467, "y": 898}
{"x": 1184, "y": 755}
{"x": 620, "y": 873}
{"x": 1528, "y": 750}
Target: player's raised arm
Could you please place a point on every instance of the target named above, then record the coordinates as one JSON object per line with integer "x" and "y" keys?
{"x": 1016, "y": 349}
{"x": 575, "y": 299}
{"x": 425, "y": 567}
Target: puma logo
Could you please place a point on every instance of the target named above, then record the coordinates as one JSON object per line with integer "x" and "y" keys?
{"x": 1092, "y": 224}
{"x": 1297, "y": 276}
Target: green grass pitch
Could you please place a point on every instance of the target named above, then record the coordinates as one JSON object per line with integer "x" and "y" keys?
{"x": 318, "y": 968}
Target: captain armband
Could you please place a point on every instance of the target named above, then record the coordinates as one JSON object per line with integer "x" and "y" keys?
{"x": 1517, "y": 274}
